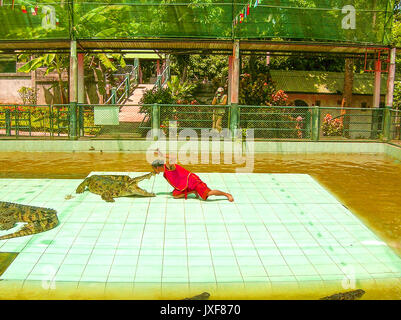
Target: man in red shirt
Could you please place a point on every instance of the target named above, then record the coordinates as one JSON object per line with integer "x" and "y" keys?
{"x": 185, "y": 182}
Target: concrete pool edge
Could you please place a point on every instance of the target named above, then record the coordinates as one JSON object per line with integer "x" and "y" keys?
{"x": 143, "y": 146}
{"x": 131, "y": 146}
{"x": 39, "y": 290}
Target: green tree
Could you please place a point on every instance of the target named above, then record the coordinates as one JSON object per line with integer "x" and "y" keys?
{"x": 52, "y": 62}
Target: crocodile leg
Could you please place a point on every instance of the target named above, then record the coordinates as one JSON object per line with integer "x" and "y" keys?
{"x": 33, "y": 227}
{"x": 106, "y": 196}
{"x": 6, "y": 224}
{"x": 81, "y": 187}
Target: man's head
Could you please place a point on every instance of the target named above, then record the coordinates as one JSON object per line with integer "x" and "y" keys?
{"x": 158, "y": 166}
{"x": 220, "y": 91}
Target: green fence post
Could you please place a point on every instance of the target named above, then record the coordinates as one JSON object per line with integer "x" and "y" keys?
{"x": 234, "y": 118}
{"x": 375, "y": 123}
{"x": 8, "y": 122}
{"x": 16, "y": 121}
{"x": 113, "y": 95}
{"x": 127, "y": 84}
{"x": 155, "y": 121}
{"x": 73, "y": 121}
{"x": 387, "y": 123}
{"x": 81, "y": 120}
{"x": 315, "y": 123}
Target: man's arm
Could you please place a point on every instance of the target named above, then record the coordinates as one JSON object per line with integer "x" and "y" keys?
{"x": 170, "y": 166}
{"x": 224, "y": 99}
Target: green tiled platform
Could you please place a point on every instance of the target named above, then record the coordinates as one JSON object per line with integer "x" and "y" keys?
{"x": 281, "y": 228}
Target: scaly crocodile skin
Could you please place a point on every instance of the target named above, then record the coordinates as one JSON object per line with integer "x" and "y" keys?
{"x": 39, "y": 219}
{"x": 113, "y": 186}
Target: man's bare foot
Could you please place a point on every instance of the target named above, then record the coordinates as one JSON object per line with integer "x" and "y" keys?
{"x": 230, "y": 197}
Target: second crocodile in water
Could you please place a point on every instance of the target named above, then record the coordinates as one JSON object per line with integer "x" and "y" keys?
{"x": 113, "y": 186}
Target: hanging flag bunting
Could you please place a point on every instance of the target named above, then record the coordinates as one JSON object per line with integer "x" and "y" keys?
{"x": 246, "y": 10}
{"x": 57, "y": 21}
{"x": 23, "y": 8}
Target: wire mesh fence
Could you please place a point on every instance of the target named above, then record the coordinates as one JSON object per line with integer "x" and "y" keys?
{"x": 351, "y": 123}
{"x": 276, "y": 122}
{"x": 135, "y": 121}
{"x": 34, "y": 120}
{"x": 395, "y": 125}
{"x": 195, "y": 117}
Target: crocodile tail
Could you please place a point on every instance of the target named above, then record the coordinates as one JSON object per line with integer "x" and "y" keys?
{"x": 82, "y": 186}
{"x": 34, "y": 227}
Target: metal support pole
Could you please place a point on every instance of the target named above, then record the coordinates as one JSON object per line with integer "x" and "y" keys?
{"x": 387, "y": 123}
{"x": 389, "y": 97}
{"x": 81, "y": 93}
{"x": 73, "y": 121}
{"x": 73, "y": 90}
{"x": 230, "y": 77}
{"x": 8, "y": 122}
{"x": 113, "y": 95}
{"x": 315, "y": 123}
{"x": 376, "y": 93}
{"x": 155, "y": 121}
{"x": 234, "y": 89}
{"x": 234, "y": 118}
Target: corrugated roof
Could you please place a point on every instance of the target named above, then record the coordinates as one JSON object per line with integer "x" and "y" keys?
{"x": 324, "y": 82}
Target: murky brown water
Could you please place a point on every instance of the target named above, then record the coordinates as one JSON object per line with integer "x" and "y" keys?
{"x": 369, "y": 185}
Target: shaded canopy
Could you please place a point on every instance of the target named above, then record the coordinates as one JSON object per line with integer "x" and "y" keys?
{"x": 353, "y": 21}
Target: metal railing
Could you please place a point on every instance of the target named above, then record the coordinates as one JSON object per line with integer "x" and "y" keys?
{"x": 34, "y": 120}
{"x": 163, "y": 77}
{"x": 123, "y": 90}
{"x": 276, "y": 122}
{"x": 267, "y": 122}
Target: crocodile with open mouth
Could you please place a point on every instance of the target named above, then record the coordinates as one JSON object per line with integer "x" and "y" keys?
{"x": 113, "y": 186}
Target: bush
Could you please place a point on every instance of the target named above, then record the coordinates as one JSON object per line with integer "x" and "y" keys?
{"x": 256, "y": 91}
{"x": 332, "y": 127}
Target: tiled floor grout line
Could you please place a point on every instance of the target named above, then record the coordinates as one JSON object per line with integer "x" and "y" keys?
{"x": 186, "y": 246}
{"x": 329, "y": 255}
{"x": 140, "y": 245}
{"x": 275, "y": 243}
{"x": 164, "y": 244}
{"x": 117, "y": 245}
{"x": 229, "y": 237}
{"x": 356, "y": 240}
{"x": 300, "y": 247}
{"x": 43, "y": 252}
{"x": 93, "y": 248}
{"x": 66, "y": 253}
{"x": 339, "y": 244}
{"x": 208, "y": 242}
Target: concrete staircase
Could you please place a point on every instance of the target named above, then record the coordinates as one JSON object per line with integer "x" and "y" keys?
{"x": 131, "y": 113}
{"x": 129, "y": 117}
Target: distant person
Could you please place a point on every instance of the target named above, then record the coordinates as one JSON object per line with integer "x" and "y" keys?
{"x": 218, "y": 112}
{"x": 183, "y": 181}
